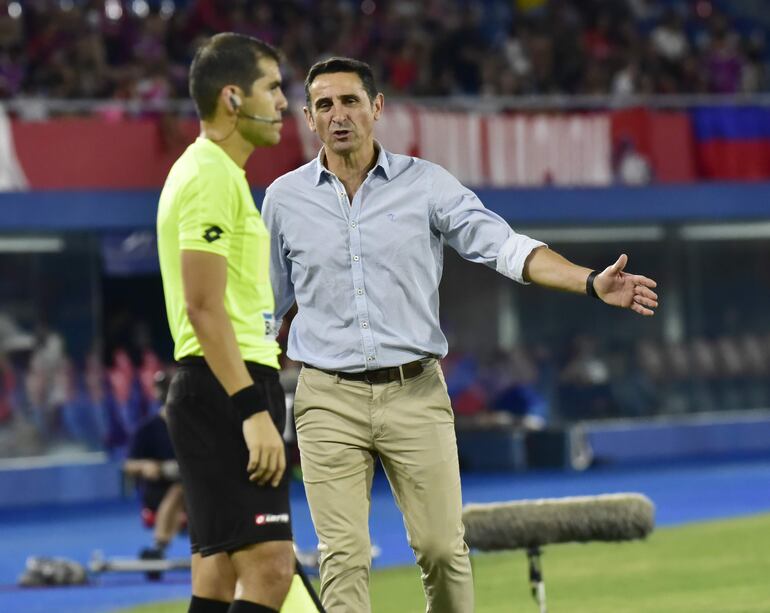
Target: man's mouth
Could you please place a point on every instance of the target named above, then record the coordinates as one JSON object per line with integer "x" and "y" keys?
{"x": 341, "y": 134}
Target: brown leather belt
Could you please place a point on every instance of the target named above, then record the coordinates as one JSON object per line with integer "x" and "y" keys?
{"x": 380, "y": 375}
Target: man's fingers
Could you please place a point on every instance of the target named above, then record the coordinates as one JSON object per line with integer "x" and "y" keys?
{"x": 257, "y": 464}
{"x": 281, "y": 468}
{"x": 646, "y": 297}
{"x": 620, "y": 264}
{"x": 268, "y": 467}
{"x": 644, "y": 301}
{"x": 271, "y": 464}
{"x": 639, "y": 280}
{"x": 645, "y": 292}
{"x": 647, "y": 302}
{"x": 251, "y": 465}
{"x": 638, "y": 308}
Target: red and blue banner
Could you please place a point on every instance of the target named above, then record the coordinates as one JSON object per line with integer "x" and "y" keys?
{"x": 732, "y": 143}
{"x": 481, "y": 150}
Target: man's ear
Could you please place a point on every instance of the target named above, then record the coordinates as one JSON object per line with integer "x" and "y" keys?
{"x": 231, "y": 99}
{"x": 309, "y": 118}
{"x": 378, "y": 104}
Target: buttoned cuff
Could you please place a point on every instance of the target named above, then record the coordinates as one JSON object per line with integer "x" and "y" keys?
{"x": 513, "y": 255}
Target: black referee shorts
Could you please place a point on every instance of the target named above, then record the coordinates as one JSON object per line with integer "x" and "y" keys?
{"x": 226, "y": 511}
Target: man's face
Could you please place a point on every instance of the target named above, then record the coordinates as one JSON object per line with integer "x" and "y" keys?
{"x": 266, "y": 99}
{"x": 341, "y": 113}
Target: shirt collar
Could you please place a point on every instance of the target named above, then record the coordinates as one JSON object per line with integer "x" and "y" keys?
{"x": 382, "y": 165}
{"x": 211, "y": 145}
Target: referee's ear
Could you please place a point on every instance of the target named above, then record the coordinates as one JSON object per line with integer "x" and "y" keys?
{"x": 229, "y": 100}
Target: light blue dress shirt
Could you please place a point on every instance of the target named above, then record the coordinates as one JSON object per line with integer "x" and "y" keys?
{"x": 365, "y": 274}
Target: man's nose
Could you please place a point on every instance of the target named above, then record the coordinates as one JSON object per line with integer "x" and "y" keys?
{"x": 282, "y": 104}
{"x": 339, "y": 113}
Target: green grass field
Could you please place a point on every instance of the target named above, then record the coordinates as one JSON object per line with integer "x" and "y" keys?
{"x": 715, "y": 567}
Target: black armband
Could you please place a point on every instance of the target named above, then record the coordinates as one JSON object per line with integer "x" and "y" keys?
{"x": 247, "y": 402}
{"x": 590, "y": 285}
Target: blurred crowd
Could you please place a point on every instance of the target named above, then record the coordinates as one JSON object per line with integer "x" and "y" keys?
{"x": 591, "y": 379}
{"x": 140, "y": 49}
{"x": 50, "y": 401}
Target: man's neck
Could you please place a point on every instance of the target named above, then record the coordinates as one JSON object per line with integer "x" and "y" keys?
{"x": 229, "y": 140}
{"x": 352, "y": 169}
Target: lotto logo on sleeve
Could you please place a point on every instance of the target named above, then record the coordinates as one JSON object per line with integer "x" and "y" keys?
{"x": 213, "y": 233}
{"x": 268, "y": 518}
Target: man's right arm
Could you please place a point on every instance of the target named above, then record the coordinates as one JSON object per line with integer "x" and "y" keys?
{"x": 204, "y": 278}
{"x": 149, "y": 470}
{"x": 280, "y": 265}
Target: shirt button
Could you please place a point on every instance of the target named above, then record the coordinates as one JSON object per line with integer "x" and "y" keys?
{"x": 364, "y": 324}
{"x": 353, "y": 224}
{"x": 356, "y": 258}
{"x": 360, "y": 292}
{"x": 370, "y": 358}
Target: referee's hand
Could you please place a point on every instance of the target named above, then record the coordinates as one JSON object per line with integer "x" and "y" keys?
{"x": 267, "y": 458}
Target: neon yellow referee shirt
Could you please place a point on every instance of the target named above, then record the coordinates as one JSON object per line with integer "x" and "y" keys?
{"x": 206, "y": 205}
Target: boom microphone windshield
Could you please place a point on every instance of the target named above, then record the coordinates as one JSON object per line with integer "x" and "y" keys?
{"x": 531, "y": 523}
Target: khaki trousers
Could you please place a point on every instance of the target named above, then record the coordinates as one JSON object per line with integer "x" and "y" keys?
{"x": 342, "y": 426}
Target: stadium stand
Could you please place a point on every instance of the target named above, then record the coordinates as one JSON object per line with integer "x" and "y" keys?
{"x": 522, "y": 94}
{"x": 140, "y": 50}
{"x": 597, "y": 126}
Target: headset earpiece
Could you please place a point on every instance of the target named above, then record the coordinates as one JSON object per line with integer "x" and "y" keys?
{"x": 235, "y": 101}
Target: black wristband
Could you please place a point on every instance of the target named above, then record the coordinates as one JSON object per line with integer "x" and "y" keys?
{"x": 247, "y": 402}
{"x": 590, "y": 285}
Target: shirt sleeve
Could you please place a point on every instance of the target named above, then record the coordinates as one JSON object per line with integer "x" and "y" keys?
{"x": 208, "y": 212}
{"x": 280, "y": 264}
{"x": 475, "y": 232}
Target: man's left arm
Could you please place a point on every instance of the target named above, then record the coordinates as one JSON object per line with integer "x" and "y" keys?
{"x": 476, "y": 233}
{"x": 613, "y": 285}
{"x": 482, "y": 236}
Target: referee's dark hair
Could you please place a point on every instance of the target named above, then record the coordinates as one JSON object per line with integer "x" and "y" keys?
{"x": 342, "y": 64}
{"x": 226, "y": 59}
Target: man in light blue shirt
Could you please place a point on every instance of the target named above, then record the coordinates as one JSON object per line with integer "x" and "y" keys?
{"x": 357, "y": 241}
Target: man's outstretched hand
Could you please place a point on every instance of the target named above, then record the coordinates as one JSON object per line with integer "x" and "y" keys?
{"x": 622, "y": 289}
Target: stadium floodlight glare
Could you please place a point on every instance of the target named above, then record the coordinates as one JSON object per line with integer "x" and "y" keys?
{"x": 167, "y": 8}
{"x": 597, "y": 234}
{"x": 31, "y": 244}
{"x": 113, "y": 10}
{"x": 757, "y": 230}
{"x": 530, "y": 524}
{"x": 140, "y": 8}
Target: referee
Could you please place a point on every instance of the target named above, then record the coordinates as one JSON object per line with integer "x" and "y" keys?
{"x": 225, "y": 405}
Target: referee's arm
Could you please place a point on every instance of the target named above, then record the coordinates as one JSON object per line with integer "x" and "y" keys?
{"x": 204, "y": 278}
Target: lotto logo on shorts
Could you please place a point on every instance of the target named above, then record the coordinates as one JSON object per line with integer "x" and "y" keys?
{"x": 267, "y": 518}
